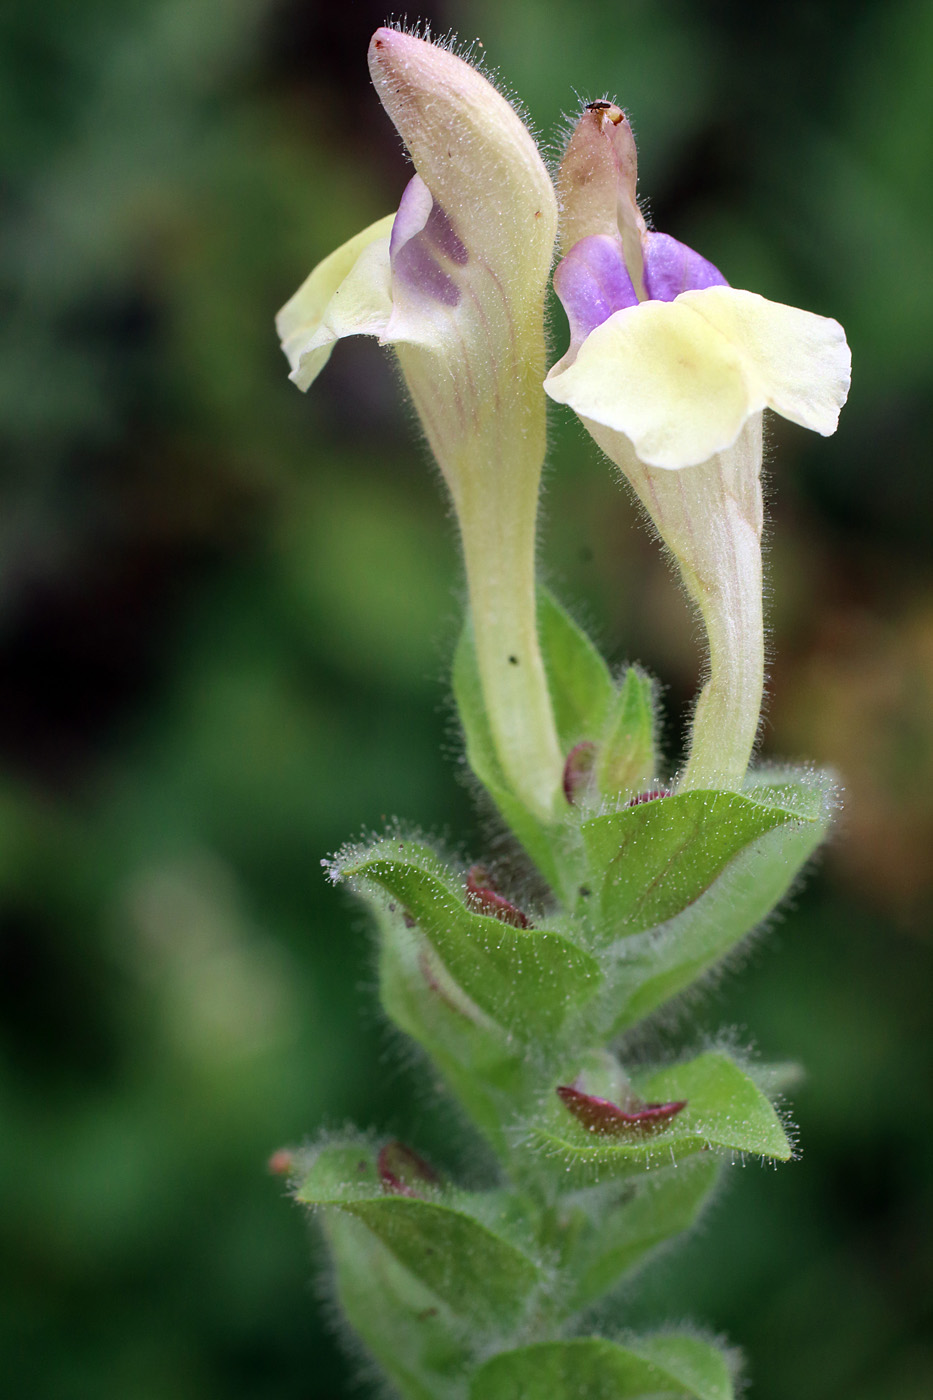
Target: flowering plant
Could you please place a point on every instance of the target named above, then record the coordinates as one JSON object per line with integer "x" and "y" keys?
{"x": 647, "y": 880}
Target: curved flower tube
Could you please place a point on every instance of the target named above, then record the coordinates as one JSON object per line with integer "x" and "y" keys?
{"x": 455, "y": 282}
{"x": 670, "y": 370}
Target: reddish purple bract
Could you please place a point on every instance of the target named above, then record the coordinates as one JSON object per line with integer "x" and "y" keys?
{"x": 402, "y": 1172}
{"x": 606, "y": 1118}
{"x": 483, "y": 899}
{"x": 648, "y": 797}
{"x": 578, "y": 769}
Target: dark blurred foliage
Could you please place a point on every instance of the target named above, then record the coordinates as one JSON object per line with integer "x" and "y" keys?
{"x": 225, "y": 617}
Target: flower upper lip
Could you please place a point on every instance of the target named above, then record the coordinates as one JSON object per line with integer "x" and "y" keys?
{"x": 662, "y": 349}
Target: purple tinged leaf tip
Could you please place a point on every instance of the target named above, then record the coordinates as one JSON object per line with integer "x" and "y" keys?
{"x": 402, "y": 1172}
{"x": 483, "y": 899}
{"x": 607, "y": 1119}
{"x": 578, "y": 769}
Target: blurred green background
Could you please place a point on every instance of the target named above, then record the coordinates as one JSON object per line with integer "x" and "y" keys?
{"x": 226, "y": 613}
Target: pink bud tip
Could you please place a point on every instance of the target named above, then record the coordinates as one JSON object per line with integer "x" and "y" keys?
{"x": 281, "y": 1162}
{"x": 402, "y": 1172}
{"x": 578, "y": 768}
{"x": 482, "y": 899}
{"x": 606, "y": 1118}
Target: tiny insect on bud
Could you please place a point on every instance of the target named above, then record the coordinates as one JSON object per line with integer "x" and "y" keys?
{"x": 281, "y": 1162}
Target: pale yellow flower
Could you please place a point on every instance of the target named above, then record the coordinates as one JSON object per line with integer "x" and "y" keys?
{"x": 670, "y": 370}
{"x": 455, "y": 282}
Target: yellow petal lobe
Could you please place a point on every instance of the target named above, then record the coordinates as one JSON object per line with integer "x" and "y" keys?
{"x": 346, "y": 294}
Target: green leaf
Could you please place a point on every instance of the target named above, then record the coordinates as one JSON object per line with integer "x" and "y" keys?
{"x": 477, "y": 1274}
{"x": 652, "y": 966}
{"x": 525, "y": 980}
{"x": 583, "y": 697}
{"x": 490, "y": 1077}
{"x": 725, "y": 1111}
{"x": 596, "y": 1369}
{"x": 701, "y": 1369}
{"x": 581, "y": 687}
{"x": 649, "y": 862}
{"x": 422, "y": 1345}
{"x": 626, "y": 761}
{"x": 623, "y": 1225}
{"x": 340, "y": 1175}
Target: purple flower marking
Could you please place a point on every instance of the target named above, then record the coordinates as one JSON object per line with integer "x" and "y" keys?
{"x": 421, "y": 235}
{"x": 441, "y": 233}
{"x": 592, "y": 282}
{"x": 671, "y": 268}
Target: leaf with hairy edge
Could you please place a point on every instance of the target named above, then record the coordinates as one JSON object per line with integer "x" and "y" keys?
{"x": 477, "y": 1274}
{"x": 700, "y": 1368}
{"x": 649, "y": 862}
{"x": 489, "y": 1077}
{"x": 601, "y": 1370}
{"x": 584, "y": 698}
{"x": 622, "y": 1228}
{"x": 725, "y": 1110}
{"x": 526, "y": 980}
{"x": 656, "y": 965}
{"x": 626, "y": 761}
{"x": 423, "y": 1345}
{"x": 581, "y": 687}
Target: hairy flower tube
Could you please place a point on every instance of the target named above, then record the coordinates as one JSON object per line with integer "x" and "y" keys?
{"x": 670, "y": 370}
{"x": 455, "y": 283}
